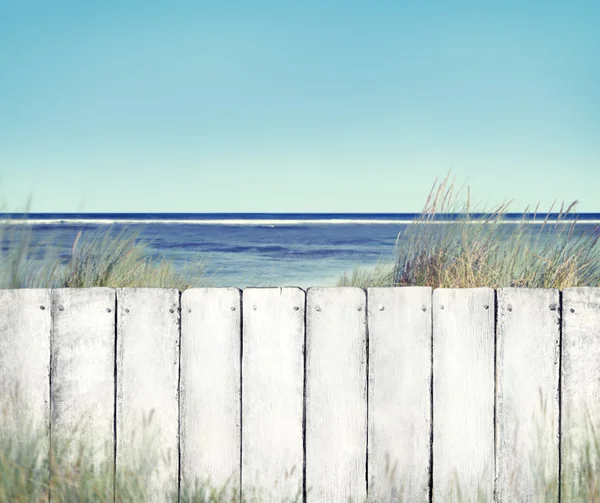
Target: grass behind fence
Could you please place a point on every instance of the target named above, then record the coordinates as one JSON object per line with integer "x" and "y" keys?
{"x": 104, "y": 257}
{"x": 486, "y": 253}
{"x": 459, "y": 254}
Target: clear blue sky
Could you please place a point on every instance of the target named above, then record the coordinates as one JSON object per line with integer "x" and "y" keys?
{"x": 296, "y": 106}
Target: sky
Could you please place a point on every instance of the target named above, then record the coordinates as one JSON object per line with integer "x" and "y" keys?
{"x": 196, "y": 106}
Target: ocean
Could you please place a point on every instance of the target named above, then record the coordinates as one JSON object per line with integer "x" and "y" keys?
{"x": 249, "y": 249}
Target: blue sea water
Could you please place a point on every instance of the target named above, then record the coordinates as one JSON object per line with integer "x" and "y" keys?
{"x": 251, "y": 249}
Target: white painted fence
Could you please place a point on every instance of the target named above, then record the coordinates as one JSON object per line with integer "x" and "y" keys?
{"x": 393, "y": 394}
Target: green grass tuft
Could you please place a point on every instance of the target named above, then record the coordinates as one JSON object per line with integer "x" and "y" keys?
{"x": 101, "y": 258}
{"x": 488, "y": 253}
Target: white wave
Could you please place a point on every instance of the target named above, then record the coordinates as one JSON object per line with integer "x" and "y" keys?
{"x": 257, "y": 223}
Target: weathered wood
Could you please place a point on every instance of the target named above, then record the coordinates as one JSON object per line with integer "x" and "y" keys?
{"x": 82, "y": 375}
{"x": 210, "y": 386}
{"x": 79, "y": 342}
{"x": 580, "y": 383}
{"x": 399, "y": 326}
{"x": 272, "y": 393}
{"x": 25, "y": 331}
{"x": 147, "y": 385}
{"x": 336, "y": 394}
{"x": 463, "y": 394}
{"x": 527, "y": 366}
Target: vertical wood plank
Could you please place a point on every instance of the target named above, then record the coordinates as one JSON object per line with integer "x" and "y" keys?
{"x": 463, "y": 394}
{"x": 147, "y": 385}
{"x": 210, "y": 386}
{"x": 580, "y": 383}
{"x": 25, "y": 331}
{"x": 527, "y": 363}
{"x": 336, "y": 394}
{"x": 399, "y": 321}
{"x": 272, "y": 393}
{"x": 82, "y": 374}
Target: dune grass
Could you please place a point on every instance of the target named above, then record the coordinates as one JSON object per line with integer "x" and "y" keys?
{"x": 104, "y": 257}
{"x": 486, "y": 253}
{"x": 29, "y": 474}
{"x": 37, "y": 463}
{"x": 30, "y": 470}
{"x": 121, "y": 260}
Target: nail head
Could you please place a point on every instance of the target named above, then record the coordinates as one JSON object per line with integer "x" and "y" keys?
{"x": 232, "y": 308}
{"x": 318, "y": 308}
{"x": 423, "y": 308}
{"x": 108, "y": 309}
{"x": 42, "y": 307}
{"x": 572, "y": 310}
{"x": 296, "y": 308}
{"x": 381, "y": 308}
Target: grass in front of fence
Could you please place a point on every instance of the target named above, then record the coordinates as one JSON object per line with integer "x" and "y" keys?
{"x": 29, "y": 475}
{"x": 463, "y": 254}
{"x": 35, "y": 463}
{"x": 28, "y": 472}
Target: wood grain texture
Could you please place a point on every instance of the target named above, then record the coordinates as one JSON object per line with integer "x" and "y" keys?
{"x": 82, "y": 374}
{"x": 527, "y": 366}
{"x": 463, "y": 394}
{"x": 25, "y": 331}
{"x": 336, "y": 394}
{"x": 147, "y": 385}
{"x": 272, "y": 393}
{"x": 580, "y": 382}
{"x": 399, "y": 324}
{"x": 210, "y": 386}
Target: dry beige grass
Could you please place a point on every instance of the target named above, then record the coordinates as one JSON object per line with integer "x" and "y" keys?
{"x": 488, "y": 252}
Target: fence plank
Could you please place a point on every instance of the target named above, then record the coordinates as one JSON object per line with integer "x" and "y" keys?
{"x": 25, "y": 330}
{"x": 82, "y": 374}
{"x": 399, "y": 321}
{"x": 580, "y": 383}
{"x": 336, "y": 405}
{"x": 147, "y": 384}
{"x": 463, "y": 394}
{"x": 272, "y": 393}
{"x": 527, "y": 394}
{"x": 210, "y": 386}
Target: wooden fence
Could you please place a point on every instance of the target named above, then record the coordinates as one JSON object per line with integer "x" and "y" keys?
{"x": 389, "y": 394}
